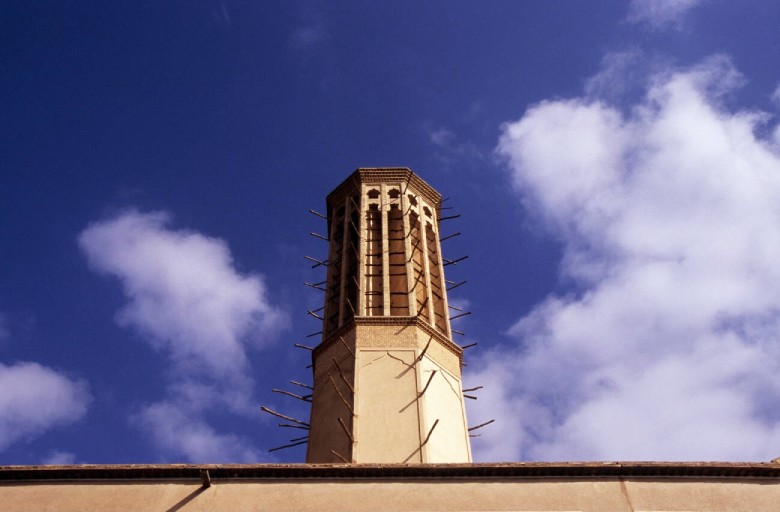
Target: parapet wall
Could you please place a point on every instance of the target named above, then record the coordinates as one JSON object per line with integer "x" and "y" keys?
{"x": 453, "y": 487}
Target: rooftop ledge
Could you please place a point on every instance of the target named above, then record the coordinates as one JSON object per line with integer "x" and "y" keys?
{"x": 531, "y": 470}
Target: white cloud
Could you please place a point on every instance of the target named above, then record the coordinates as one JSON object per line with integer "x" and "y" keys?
{"x": 451, "y": 150}
{"x": 183, "y": 291}
{"x": 184, "y": 431}
{"x": 669, "y": 212}
{"x": 59, "y": 458}
{"x": 442, "y": 137}
{"x": 188, "y": 301}
{"x": 618, "y": 70}
{"x": 775, "y": 96}
{"x": 36, "y": 399}
{"x": 659, "y": 12}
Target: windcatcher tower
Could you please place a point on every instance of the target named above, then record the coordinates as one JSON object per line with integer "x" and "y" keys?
{"x": 387, "y": 379}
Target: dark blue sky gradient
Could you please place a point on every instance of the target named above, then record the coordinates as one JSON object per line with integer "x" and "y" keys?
{"x": 218, "y": 113}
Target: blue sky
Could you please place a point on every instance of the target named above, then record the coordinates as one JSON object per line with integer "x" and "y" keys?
{"x": 616, "y": 165}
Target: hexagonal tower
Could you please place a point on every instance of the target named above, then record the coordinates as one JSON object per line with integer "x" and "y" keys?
{"x": 387, "y": 375}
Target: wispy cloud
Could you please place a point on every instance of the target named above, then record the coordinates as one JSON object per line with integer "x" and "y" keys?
{"x": 222, "y": 16}
{"x": 450, "y": 148}
{"x": 311, "y": 32}
{"x": 775, "y": 96}
{"x": 36, "y": 399}
{"x": 442, "y": 137}
{"x": 182, "y": 429}
{"x": 188, "y": 301}
{"x": 669, "y": 212}
{"x": 59, "y": 458}
{"x": 306, "y": 37}
{"x": 622, "y": 76}
{"x": 660, "y": 13}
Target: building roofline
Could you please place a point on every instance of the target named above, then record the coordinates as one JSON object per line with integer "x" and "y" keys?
{"x": 514, "y": 470}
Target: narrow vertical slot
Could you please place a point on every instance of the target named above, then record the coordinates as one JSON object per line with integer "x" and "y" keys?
{"x": 333, "y": 290}
{"x": 399, "y": 291}
{"x": 437, "y": 285}
{"x": 352, "y": 262}
{"x": 373, "y": 288}
{"x": 418, "y": 267}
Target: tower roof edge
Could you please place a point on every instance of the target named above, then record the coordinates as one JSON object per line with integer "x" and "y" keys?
{"x": 384, "y": 175}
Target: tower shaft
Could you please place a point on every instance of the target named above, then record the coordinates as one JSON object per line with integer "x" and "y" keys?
{"x": 387, "y": 379}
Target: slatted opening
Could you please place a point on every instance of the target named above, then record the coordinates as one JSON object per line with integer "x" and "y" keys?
{"x": 333, "y": 290}
{"x": 399, "y": 286}
{"x": 419, "y": 288}
{"x": 374, "y": 293}
{"x": 352, "y": 251}
{"x": 437, "y": 281}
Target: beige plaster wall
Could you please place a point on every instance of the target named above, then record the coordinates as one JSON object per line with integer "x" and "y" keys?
{"x": 387, "y": 422}
{"x": 386, "y": 416}
{"x": 443, "y": 401}
{"x": 332, "y": 400}
{"x": 410, "y": 495}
